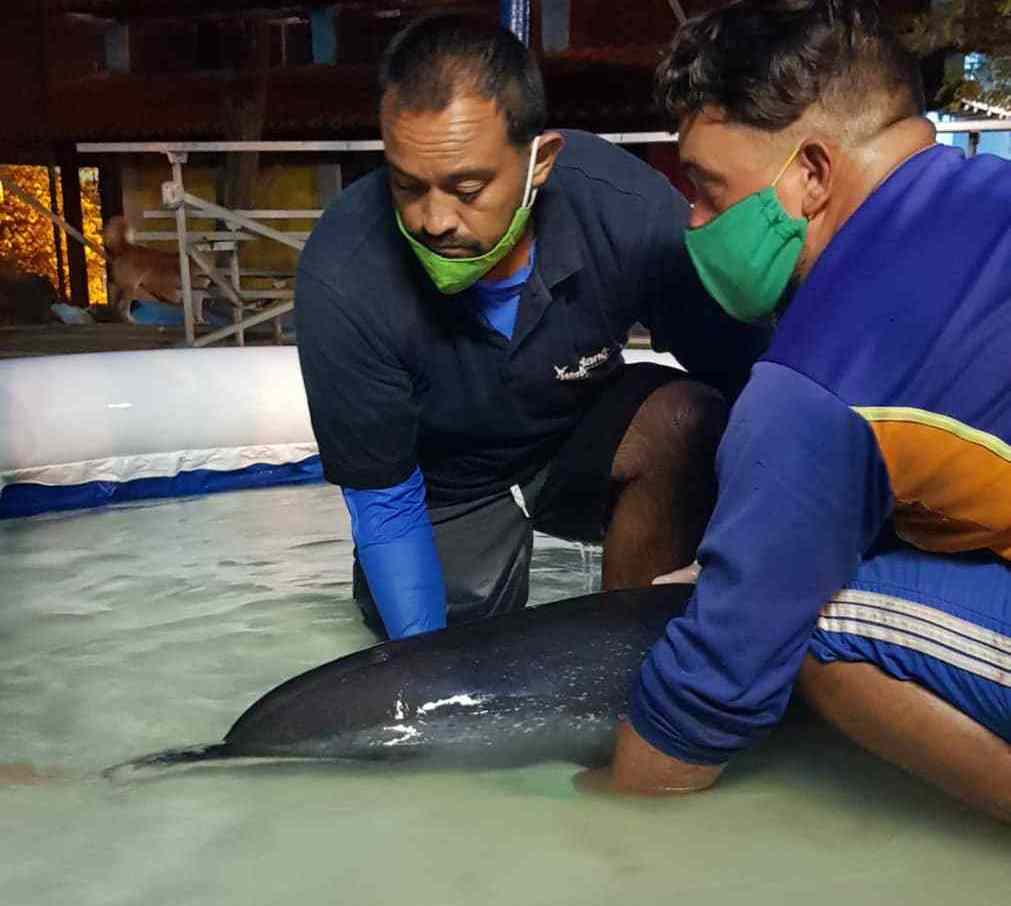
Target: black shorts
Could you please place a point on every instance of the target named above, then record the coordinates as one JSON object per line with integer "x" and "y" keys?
{"x": 485, "y": 545}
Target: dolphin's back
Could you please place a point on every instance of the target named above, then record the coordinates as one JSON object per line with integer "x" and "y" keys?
{"x": 545, "y": 682}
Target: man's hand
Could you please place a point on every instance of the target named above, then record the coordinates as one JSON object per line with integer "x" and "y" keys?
{"x": 687, "y": 575}
{"x": 640, "y": 768}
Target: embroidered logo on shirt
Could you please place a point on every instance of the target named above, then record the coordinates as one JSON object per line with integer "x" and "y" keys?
{"x": 587, "y": 363}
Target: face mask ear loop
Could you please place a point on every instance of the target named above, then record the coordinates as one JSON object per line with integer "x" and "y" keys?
{"x": 789, "y": 161}
{"x": 530, "y": 175}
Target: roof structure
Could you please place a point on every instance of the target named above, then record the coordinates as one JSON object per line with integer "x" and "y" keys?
{"x": 186, "y": 72}
{"x": 183, "y": 72}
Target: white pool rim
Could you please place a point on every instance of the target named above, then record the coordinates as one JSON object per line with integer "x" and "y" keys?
{"x": 159, "y": 416}
{"x": 87, "y": 430}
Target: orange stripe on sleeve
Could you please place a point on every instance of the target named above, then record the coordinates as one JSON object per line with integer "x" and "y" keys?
{"x": 951, "y": 483}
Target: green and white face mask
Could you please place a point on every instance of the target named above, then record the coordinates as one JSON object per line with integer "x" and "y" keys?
{"x": 746, "y": 256}
{"x": 453, "y": 275}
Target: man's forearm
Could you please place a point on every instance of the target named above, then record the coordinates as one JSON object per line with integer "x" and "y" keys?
{"x": 396, "y": 548}
{"x": 405, "y": 578}
{"x": 803, "y": 491}
{"x": 638, "y": 767}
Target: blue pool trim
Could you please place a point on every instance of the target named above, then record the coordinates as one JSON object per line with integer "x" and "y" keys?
{"x": 31, "y": 499}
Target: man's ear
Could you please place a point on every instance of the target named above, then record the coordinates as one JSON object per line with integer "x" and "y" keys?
{"x": 549, "y": 146}
{"x": 817, "y": 167}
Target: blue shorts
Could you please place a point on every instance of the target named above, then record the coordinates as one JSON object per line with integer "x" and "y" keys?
{"x": 942, "y": 621}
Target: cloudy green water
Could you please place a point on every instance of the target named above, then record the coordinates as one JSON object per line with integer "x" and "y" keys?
{"x": 129, "y": 630}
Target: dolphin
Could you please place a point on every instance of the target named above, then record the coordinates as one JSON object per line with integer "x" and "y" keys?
{"x": 542, "y": 684}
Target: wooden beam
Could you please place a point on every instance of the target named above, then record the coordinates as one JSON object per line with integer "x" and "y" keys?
{"x": 110, "y": 186}
{"x": 71, "y": 180}
{"x": 61, "y": 277}
{"x": 110, "y": 194}
{"x": 195, "y": 147}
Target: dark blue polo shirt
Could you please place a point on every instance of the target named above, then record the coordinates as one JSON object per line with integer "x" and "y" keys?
{"x": 398, "y": 375}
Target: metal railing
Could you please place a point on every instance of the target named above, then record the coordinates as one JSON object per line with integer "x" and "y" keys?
{"x": 194, "y": 246}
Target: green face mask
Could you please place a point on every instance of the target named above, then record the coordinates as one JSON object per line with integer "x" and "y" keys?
{"x": 453, "y": 275}
{"x": 747, "y": 254}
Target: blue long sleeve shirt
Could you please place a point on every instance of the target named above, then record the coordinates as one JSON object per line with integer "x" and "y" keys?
{"x": 803, "y": 493}
{"x": 884, "y": 395}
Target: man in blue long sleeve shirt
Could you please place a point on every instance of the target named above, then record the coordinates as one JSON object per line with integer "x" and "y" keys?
{"x": 862, "y": 533}
{"x": 461, "y": 314}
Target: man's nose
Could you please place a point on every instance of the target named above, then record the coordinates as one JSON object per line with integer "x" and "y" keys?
{"x": 438, "y": 214}
{"x": 700, "y": 216}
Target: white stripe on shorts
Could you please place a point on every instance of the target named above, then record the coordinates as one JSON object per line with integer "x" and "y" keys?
{"x": 916, "y": 626}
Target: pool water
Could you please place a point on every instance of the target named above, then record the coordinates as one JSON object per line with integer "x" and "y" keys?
{"x": 128, "y": 630}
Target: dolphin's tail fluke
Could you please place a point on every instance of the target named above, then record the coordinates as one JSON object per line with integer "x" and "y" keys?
{"x": 157, "y": 762}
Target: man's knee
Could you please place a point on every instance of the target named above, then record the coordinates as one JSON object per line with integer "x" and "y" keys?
{"x": 678, "y": 422}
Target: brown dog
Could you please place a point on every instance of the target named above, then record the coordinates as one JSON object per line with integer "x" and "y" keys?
{"x": 141, "y": 273}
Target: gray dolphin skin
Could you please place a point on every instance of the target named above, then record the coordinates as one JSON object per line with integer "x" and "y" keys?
{"x": 543, "y": 684}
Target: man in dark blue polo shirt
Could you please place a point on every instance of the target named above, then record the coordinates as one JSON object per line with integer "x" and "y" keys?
{"x": 461, "y": 315}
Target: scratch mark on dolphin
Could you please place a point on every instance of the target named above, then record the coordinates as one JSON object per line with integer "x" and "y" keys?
{"x": 408, "y": 731}
{"x": 465, "y": 699}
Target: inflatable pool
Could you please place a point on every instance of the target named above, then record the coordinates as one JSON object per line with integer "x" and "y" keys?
{"x": 85, "y": 430}
{"x": 125, "y": 630}
{"x": 81, "y": 431}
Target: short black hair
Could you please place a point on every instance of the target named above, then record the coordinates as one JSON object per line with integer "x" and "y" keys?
{"x": 432, "y": 59}
{"x": 762, "y": 63}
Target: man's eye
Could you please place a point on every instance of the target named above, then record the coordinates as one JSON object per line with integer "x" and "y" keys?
{"x": 409, "y": 188}
{"x": 467, "y": 193}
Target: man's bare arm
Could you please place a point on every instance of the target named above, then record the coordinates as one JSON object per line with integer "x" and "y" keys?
{"x": 640, "y": 768}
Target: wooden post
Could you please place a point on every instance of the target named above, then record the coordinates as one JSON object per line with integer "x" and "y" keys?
{"x": 177, "y": 160}
{"x": 70, "y": 179}
{"x": 54, "y": 203}
{"x": 238, "y": 311}
{"x": 329, "y": 182}
{"x": 245, "y": 111}
{"x": 51, "y": 162}
{"x": 110, "y": 193}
